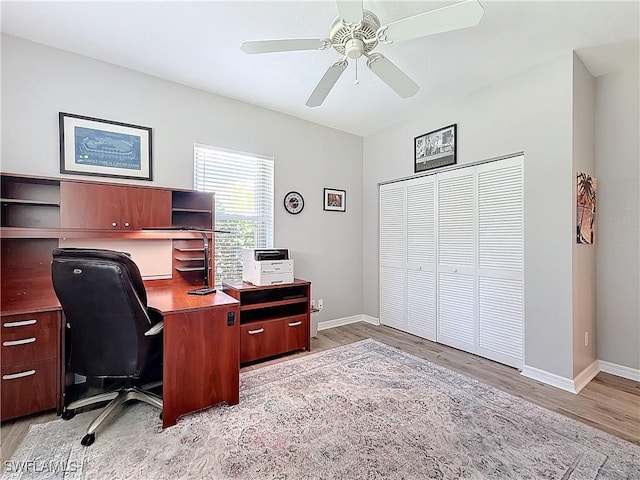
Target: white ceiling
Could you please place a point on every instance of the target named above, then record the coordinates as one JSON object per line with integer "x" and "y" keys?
{"x": 198, "y": 44}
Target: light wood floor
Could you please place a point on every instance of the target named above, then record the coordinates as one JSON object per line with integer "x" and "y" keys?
{"x": 609, "y": 403}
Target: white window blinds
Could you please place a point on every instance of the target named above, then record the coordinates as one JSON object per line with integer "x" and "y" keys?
{"x": 243, "y": 187}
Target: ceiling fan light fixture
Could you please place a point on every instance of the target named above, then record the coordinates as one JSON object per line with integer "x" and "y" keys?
{"x": 342, "y": 34}
{"x": 354, "y": 48}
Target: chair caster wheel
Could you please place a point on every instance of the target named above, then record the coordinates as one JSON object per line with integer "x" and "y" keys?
{"x": 68, "y": 414}
{"x": 88, "y": 439}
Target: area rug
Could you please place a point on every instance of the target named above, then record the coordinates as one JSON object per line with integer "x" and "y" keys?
{"x": 362, "y": 411}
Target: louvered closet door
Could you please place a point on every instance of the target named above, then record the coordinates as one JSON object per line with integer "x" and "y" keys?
{"x": 421, "y": 257}
{"x": 501, "y": 261}
{"x": 393, "y": 256}
{"x": 456, "y": 244}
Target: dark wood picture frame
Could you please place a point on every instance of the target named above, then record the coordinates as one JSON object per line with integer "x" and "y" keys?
{"x": 104, "y": 148}
{"x": 435, "y": 149}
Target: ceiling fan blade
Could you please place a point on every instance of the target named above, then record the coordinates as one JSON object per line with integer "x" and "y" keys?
{"x": 326, "y": 83}
{"x": 392, "y": 75}
{"x": 453, "y": 17}
{"x": 350, "y": 11}
{"x": 285, "y": 45}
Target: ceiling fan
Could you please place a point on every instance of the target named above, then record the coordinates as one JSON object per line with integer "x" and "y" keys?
{"x": 357, "y": 32}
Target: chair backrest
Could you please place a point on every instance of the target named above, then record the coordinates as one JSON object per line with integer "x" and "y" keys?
{"x": 105, "y": 306}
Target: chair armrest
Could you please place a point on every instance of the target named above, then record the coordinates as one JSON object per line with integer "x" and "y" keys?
{"x": 156, "y": 329}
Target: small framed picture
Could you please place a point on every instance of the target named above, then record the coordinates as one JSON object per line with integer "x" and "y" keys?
{"x": 335, "y": 200}
{"x": 435, "y": 149}
{"x": 91, "y": 146}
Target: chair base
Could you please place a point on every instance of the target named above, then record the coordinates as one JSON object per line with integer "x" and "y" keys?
{"x": 118, "y": 397}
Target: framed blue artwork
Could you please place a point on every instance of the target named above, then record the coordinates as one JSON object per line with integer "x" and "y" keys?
{"x": 91, "y": 146}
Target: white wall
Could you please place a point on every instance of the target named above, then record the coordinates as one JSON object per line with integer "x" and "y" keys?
{"x": 528, "y": 112}
{"x": 38, "y": 82}
{"x": 618, "y": 217}
{"x": 584, "y": 256}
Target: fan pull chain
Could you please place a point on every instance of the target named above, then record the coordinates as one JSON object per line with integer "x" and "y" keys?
{"x": 356, "y": 81}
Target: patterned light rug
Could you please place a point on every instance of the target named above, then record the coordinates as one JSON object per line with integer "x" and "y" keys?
{"x": 362, "y": 411}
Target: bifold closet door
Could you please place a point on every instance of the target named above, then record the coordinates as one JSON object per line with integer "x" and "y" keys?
{"x": 501, "y": 261}
{"x": 452, "y": 258}
{"x": 456, "y": 248}
{"x": 421, "y": 257}
{"x": 393, "y": 254}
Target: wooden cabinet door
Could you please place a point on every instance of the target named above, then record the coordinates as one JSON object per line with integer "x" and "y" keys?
{"x": 113, "y": 207}
{"x": 144, "y": 208}
{"x": 90, "y": 206}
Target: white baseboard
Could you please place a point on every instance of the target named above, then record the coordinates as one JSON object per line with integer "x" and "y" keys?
{"x": 619, "y": 370}
{"x": 338, "y": 322}
{"x": 370, "y": 319}
{"x": 549, "y": 378}
{"x": 585, "y": 376}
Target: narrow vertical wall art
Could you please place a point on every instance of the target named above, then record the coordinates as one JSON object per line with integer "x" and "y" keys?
{"x": 586, "y": 189}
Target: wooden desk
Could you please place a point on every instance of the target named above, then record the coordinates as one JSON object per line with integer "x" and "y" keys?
{"x": 201, "y": 365}
{"x": 200, "y": 350}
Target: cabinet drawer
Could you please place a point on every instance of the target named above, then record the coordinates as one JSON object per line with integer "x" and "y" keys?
{"x": 29, "y": 324}
{"x": 296, "y": 332}
{"x": 29, "y": 388}
{"x": 261, "y": 339}
{"x": 29, "y": 338}
{"x": 272, "y": 337}
{"x": 18, "y": 348}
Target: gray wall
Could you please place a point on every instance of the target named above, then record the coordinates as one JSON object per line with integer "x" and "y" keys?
{"x": 528, "y": 112}
{"x": 38, "y": 82}
{"x": 584, "y": 256}
{"x": 338, "y": 252}
{"x": 618, "y": 235}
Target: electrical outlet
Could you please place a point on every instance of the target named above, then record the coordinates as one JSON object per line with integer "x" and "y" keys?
{"x": 320, "y": 305}
{"x": 586, "y": 339}
{"x": 313, "y": 304}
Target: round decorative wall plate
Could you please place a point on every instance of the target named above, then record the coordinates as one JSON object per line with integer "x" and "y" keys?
{"x": 293, "y": 202}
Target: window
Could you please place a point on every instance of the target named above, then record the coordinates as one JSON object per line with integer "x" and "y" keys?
{"x": 243, "y": 187}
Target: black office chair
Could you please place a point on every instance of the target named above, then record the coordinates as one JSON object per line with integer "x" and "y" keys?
{"x": 111, "y": 334}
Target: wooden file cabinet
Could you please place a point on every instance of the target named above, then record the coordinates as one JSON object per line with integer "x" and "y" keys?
{"x": 274, "y": 319}
{"x": 30, "y": 363}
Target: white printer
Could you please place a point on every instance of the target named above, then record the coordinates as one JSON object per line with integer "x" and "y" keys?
{"x": 266, "y": 266}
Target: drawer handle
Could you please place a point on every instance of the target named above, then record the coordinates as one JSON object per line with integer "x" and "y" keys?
{"x": 295, "y": 324}
{"x": 13, "y": 376}
{"x": 13, "y": 343}
{"x": 253, "y": 332}
{"x": 21, "y": 323}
